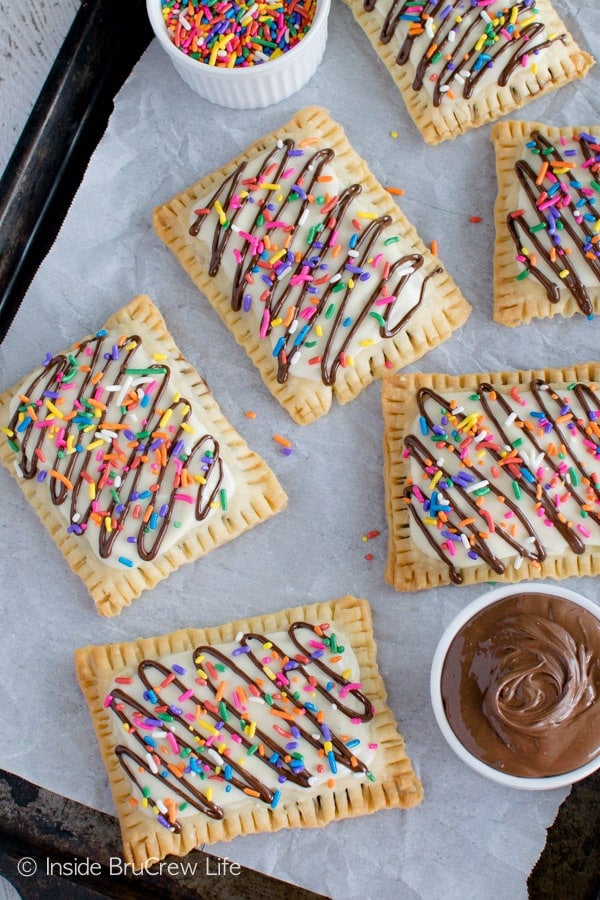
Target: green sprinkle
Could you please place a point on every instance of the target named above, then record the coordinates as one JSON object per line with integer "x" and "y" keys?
{"x": 574, "y": 478}
{"x": 158, "y": 371}
{"x": 391, "y": 240}
{"x": 252, "y": 749}
{"x": 220, "y": 667}
{"x": 378, "y": 318}
{"x": 223, "y": 711}
{"x": 269, "y": 699}
{"x": 370, "y": 776}
{"x": 338, "y": 286}
{"x": 13, "y": 445}
{"x": 184, "y": 805}
{"x": 146, "y": 792}
{"x": 595, "y": 185}
{"x": 165, "y": 717}
{"x": 223, "y": 497}
{"x": 540, "y": 227}
{"x": 522, "y": 274}
{"x": 330, "y": 311}
{"x": 517, "y": 442}
{"x": 516, "y": 490}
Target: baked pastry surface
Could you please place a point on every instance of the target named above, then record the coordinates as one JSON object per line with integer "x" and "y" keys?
{"x": 459, "y": 65}
{"x": 311, "y": 265}
{"x": 122, "y": 451}
{"x": 546, "y": 255}
{"x": 271, "y": 722}
{"x": 491, "y": 476}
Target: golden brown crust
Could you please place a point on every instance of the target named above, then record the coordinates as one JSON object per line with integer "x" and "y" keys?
{"x": 306, "y": 399}
{"x": 408, "y": 567}
{"x": 554, "y": 67}
{"x": 144, "y": 839}
{"x": 519, "y": 301}
{"x": 111, "y": 588}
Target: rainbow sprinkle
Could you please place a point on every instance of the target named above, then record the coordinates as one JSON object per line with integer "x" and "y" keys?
{"x": 230, "y": 34}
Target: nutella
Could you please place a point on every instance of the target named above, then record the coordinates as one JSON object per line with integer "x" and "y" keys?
{"x": 521, "y": 685}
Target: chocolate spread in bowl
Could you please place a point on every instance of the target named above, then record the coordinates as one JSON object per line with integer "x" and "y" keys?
{"x": 521, "y": 685}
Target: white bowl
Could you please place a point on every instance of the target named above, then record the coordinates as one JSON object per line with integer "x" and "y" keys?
{"x": 253, "y": 86}
{"x": 504, "y": 778}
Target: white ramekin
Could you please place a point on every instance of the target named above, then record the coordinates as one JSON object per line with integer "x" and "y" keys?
{"x": 254, "y": 86}
{"x": 514, "y": 781}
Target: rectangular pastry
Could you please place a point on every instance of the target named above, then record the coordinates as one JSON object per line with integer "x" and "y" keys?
{"x": 278, "y": 721}
{"x": 311, "y": 265}
{"x": 461, "y": 63}
{"x": 547, "y": 250}
{"x": 492, "y": 477}
{"x": 125, "y": 456}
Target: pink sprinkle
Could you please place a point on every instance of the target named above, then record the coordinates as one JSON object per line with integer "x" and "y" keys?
{"x": 583, "y": 530}
{"x": 265, "y": 323}
{"x": 351, "y": 686}
{"x": 107, "y": 701}
{"x": 187, "y": 497}
{"x": 172, "y": 742}
{"x": 373, "y": 746}
{"x": 185, "y": 696}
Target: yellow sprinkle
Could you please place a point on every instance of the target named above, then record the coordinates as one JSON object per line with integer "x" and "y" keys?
{"x": 276, "y": 322}
{"x": 201, "y": 674}
{"x": 54, "y": 409}
{"x": 92, "y": 491}
{"x": 435, "y": 479}
{"x": 319, "y": 328}
{"x": 159, "y": 356}
{"x": 7, "y": 431}
{"x": 207, "y": 727}
{"x": 269, "y": 187}
{"x": 269, "y": 673}
{"x": 93, "y": 444}
{"x": 165, "y": 417}
{"x": 220, "y": 212}
{"x": 251, "y": 728}
{"x": 429, "y": 521}
{"x": 563, "y": 274}
{"x": 108, "y": 523}
{"x": 394, "y": 134}
{"x": 368, "y": 342}
{"x": 366, "y": 215}
{"x": 187, "y": 427}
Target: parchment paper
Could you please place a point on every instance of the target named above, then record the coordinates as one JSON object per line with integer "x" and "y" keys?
{"x": 469, "y": 837}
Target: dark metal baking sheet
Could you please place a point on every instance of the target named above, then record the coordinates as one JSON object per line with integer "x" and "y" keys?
{"x": 105, "y": 41}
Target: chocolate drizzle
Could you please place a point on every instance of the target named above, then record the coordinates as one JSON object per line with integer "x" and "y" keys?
{"x": 311, "y": 287}
{"x": 476, "y": 468}
{"x": 558, "y": 207}
{"x": 190, "y": 720}
{"x": 464, "y": 39}
{"x": 141, "y": 462}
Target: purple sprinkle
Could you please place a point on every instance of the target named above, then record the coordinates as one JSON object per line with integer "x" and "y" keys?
{"x": 178, "y": 669}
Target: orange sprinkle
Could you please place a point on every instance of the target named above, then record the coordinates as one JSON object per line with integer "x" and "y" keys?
{"x": 62, "y": 478}
{"x": 434, "y": 247}
{"x": 251, "y": 793}
{"x": 398, "y": 192}
{"x": 281, "y": 440}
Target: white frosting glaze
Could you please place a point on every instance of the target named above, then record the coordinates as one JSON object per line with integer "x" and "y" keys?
{"x": 486, "y": 470}
{"x": 85, "y": 430}
{"x": 335, "y": 256}
{"x": 196, "y": 725}
{"x": 448, "y": 29}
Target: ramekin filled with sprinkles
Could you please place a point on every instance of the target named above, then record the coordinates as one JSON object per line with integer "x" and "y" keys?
{"x": 242, "y": 54}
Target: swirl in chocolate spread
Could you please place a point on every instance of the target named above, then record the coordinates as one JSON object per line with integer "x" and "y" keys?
{"x": 534, "y": 673}
{"x": 303, "y": 285}
{"x": 468, "y": 39}
{"x": 471, "y": 460}
{"x": 190, "y": 719}
{"x": 521, "y": 682}
{"x": 560, "y": 204}
{"x": 138, "y": 436}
